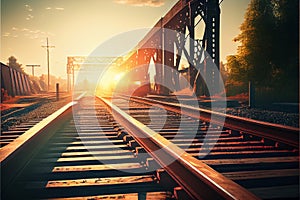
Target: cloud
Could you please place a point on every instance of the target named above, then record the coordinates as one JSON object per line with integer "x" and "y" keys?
{"x": 6, "y": 34}
{"x": 28, "y": 33}
{"x": 29, "y": 17}
{"x": 59, "y": 8}
{"x": 140, "y": 3}
{"x": 29, "y": 11}
{"x": 28, "y": 8}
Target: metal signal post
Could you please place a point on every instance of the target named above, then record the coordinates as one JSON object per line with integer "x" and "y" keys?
{"x": 33, "y": 66}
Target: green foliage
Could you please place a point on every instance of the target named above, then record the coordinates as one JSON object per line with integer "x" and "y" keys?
{"x": 269, "y": 45}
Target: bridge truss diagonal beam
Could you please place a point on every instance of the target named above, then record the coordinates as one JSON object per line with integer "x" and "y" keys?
{"x": 168, "y": 49}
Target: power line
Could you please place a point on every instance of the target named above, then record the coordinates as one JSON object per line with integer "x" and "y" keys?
{"x": 48, "y": 63}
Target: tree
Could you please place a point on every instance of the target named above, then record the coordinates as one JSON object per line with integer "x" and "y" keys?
{"x": 235, "y": 69}
{"x": 12, "y": 62}
{"x": 269, "y": 46}
{"x": 237, "y": 76}
{"x": 256, "y": 42}
{"x": 286, "y": 55}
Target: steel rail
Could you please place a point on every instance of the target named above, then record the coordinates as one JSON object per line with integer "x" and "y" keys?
{"x": 15, "y": 155}
{"x": 195, "y": 177}
{"x": 279, "y": 133}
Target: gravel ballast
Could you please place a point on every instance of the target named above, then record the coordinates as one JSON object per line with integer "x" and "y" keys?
{"x": 45, "y": 108}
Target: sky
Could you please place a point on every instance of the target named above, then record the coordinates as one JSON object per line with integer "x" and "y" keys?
{"x": 77, "y": 27}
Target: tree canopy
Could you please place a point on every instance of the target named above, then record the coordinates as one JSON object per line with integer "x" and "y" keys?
{"x": 12, "y": 62}
{"x": 269, "y": 45}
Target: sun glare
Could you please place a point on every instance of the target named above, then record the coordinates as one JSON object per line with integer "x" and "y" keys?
{"x": 137, "y": 82}
{"x": 118, "y": 77}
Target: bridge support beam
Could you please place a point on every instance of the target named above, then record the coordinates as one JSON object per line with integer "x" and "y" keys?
{"x": 168, "y": 61}
{"x": 212, "y": 37}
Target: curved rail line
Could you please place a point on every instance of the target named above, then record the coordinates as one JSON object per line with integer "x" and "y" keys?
{"x": 267, "y": 167}
{"x": 280, "y": 133}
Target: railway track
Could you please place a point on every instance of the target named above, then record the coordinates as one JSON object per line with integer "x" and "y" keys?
{"x": 67, "y": 156}
{"x": 11, "y": 125}
{"x": 259, "y": 156}
{"x": 52, "y": 162}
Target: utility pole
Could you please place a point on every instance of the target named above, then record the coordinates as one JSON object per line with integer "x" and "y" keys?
{"x": 48, "y": 64}
{"x": 33, "y": 66}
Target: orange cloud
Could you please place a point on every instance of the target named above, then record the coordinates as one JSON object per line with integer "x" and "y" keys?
{"x": 140, "y": 3}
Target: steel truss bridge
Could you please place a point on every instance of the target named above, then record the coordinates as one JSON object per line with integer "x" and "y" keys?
{"x": 172, "y": 39}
